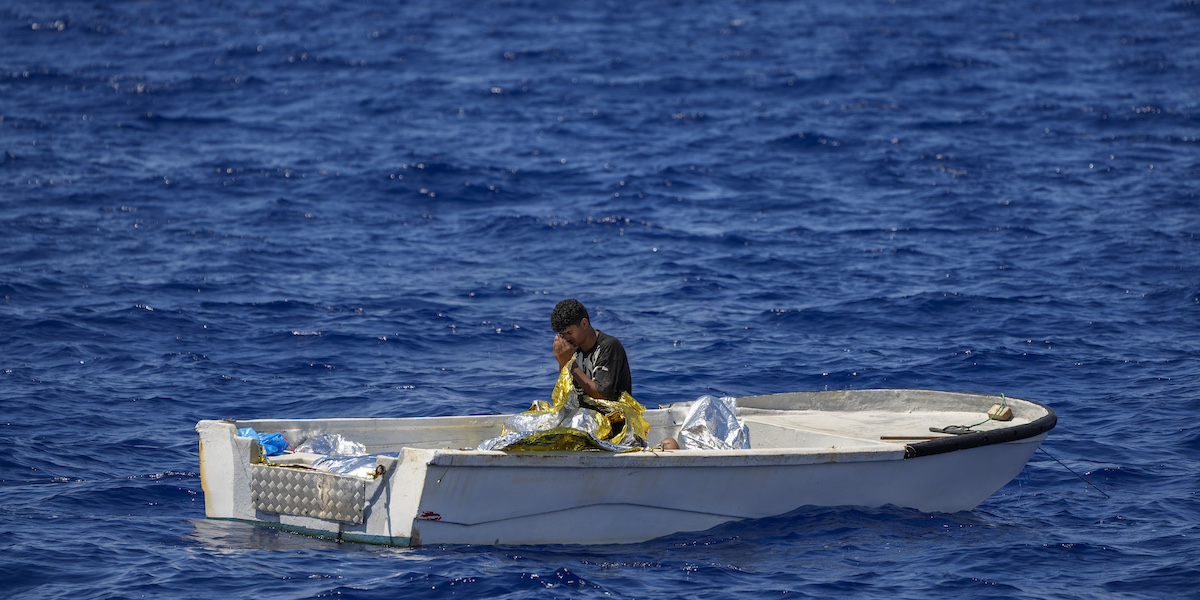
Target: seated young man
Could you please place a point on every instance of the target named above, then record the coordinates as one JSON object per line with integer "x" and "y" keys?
{"x": 601, "y": 368}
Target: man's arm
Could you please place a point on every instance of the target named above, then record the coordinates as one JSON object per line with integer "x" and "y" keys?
{"x": 586, "y": 384}
{"x": 564, "y": 351}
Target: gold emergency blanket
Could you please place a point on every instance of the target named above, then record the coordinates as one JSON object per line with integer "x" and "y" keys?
{"x": 603, "y": 425}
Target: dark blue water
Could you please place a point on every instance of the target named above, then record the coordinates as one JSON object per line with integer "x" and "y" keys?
{"x": 317, "y": 209}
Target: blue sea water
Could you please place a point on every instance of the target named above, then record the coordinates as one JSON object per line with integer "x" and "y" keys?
{"x": 315, "y": 209}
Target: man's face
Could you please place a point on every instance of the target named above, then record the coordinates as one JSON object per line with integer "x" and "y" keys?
{"x": 575, "y": 333}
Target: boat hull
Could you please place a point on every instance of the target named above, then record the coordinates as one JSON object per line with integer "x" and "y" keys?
{"x": 441, "y": 495}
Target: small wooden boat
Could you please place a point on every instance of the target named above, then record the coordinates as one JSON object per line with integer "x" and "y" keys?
{"x": 427, "y": 483}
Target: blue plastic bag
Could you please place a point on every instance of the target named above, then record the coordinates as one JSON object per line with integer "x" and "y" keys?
{"x": 272, "y": 443}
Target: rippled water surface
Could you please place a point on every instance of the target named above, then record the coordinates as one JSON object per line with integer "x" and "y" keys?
{"x": 317, "y": 209}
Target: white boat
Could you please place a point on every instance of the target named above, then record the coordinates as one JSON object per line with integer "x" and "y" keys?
{"x": 429, "y": 484}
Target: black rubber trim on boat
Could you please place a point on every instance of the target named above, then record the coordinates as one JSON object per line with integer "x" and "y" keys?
{"x": 976, "y": 439}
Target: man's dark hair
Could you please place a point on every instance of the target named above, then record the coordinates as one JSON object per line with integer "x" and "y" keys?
{"x": 567, "y": 313}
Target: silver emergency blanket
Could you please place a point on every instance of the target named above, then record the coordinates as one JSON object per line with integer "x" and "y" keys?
{"x": 565, "y": 425}
{"x": 341, "y": 456}
{"x": 331, "y": 444}
{"x": 359, "y": 466}
{"x": 712, "y": 424}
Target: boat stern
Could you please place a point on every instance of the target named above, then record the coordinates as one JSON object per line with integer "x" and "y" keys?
{"x": 225, "y": 461}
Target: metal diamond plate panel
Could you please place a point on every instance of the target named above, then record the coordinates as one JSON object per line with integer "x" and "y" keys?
{"x": 308, "y": 493}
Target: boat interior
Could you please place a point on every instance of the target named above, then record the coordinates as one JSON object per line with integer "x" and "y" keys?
{"x": 774, "y": 422}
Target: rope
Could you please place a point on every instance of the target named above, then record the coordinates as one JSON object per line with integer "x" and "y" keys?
{"x": 1074, "y": 473}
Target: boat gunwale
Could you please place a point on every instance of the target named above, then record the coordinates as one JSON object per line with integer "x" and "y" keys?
{"x": 973, "y": 439}
{"x": 977, "y": 439}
